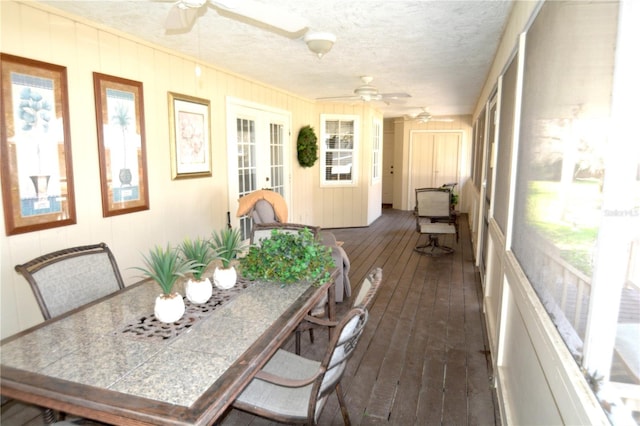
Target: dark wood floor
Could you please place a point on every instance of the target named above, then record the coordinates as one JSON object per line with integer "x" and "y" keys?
{"x": 423, "y": 358}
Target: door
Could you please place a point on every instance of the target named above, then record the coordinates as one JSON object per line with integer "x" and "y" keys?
{"x": 434, "y": 160}
{"x": 387, "y": 167}
{"x": 257, "y": 146}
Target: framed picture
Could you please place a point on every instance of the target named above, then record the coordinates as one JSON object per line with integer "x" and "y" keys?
{"x": 190, "y": 129}
{"x": 121, "y": 144}
{"x": 35, "y": 151}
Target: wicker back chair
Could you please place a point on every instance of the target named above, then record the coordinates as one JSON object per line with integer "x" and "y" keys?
{"x": 67, "y": 279}
{"x": 260, "y": 231}
{"x": 293, "y": 389}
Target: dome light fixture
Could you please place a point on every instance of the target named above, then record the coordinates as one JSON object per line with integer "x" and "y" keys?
{"x": 319, "y": 43}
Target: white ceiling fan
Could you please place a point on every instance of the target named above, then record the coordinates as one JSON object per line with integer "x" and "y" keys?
{"x": 425, "y": 116}
{"x": 368, "y": 92}
{"x": 184, "y": 13}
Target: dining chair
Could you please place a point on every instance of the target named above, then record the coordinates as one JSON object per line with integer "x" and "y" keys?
{"x": 434, "y": 218}
{"x": 294, "y": 389}
{"x": 260, "y": 231}
{"x": 66, "y": 279}
{"x": 363, "y": 299}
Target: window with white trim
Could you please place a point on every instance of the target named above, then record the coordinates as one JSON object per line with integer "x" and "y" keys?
{"x": 339, "y": 139}
{"x": 376, "y": 151}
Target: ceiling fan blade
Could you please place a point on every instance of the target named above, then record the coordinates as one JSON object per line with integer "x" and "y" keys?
{"x": 339, "y": 98}
{"x": 261, "y": 14}
{"x": 180, "y": 18}
{"x": 395, "y": 95}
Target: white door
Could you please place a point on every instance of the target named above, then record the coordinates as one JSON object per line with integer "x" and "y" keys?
{"x": 258, "y": 158}
{"x": 434, "y": 160}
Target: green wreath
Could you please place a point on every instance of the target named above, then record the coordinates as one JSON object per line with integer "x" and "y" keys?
{"x": 307, "y": 146}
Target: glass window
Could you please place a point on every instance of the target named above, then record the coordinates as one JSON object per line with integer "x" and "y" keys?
{"x": 562, "y": 235}
{"x": 339, "y": 138}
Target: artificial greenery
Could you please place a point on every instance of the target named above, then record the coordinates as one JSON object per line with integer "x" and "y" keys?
{"x": 198, "y": 250}
{"x": 307, "y": 146}
{"x": 165, "y": 266}
{"x": 227, "y": 245}
{"x": 288, "y": 258}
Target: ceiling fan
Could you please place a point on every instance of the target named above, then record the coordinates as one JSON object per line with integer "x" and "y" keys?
{"x": 425, "y": 116}
{"x": 368, "y": 92}
{"x": 184, "y": 13}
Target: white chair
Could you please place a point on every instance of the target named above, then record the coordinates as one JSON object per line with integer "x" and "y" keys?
{"x": 434, "y": 218}
{"x": 293, "y": 389}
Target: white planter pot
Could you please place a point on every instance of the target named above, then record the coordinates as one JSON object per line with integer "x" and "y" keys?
{"x": 225, "y": 278}
{"x": 169, "y": 308}
{"x": 198, "y": 291}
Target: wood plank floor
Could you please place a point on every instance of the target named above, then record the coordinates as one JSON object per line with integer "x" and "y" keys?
{"x": 423, "y": 358}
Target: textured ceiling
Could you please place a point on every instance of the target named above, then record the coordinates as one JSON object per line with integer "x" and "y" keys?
{"x": 439, "y": 52}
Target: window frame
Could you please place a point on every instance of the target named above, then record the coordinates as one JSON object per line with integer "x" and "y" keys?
{"x": 324, "y": 118}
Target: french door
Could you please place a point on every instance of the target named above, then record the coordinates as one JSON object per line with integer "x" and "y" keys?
{"x": 258, "y": 138}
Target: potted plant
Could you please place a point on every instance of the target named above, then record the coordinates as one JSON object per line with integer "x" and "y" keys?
{"x": 165, "y": 266}
{"x": 227, "y": 245}
{"x": 288, "y": 258}
{"x": 198, "y": 288}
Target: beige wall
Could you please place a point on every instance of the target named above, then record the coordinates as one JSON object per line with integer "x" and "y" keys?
{"x": 178, "y": 208}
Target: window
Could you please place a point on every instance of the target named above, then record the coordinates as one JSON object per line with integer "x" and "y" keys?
{"x": 339, "y": 138}
{"x": 575, "y": 249}
{"x": 376, "y": 151}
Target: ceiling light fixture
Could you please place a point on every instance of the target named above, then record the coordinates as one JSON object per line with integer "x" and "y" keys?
{"x": 319, "y": 43}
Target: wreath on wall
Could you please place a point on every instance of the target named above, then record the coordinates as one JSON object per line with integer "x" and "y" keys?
{"x": 307, "y": 146}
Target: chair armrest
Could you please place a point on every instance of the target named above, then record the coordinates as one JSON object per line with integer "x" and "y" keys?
{"x": 320, "y": 321}
{"x": 283, "y": 381}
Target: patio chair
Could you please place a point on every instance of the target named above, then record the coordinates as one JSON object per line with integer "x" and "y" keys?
{"x": 67, "y": 279}
{"x": 434, "y": 219}
{"x": 363, "y": 299}
{"x": 260, "y": 231}
{"x": 294, "y": 389}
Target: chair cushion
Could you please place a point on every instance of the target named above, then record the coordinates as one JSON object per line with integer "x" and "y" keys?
{"x": 263, "y": 212}
{"x": 246, "y": 203}
{"x": 437, "y": 228}
{"x": 290, "y": 402}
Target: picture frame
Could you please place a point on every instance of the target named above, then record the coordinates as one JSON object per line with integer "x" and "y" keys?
{"x": 35, "y": 146}
{"x": 121, "y": 144}
{"x": 189, "y": 135}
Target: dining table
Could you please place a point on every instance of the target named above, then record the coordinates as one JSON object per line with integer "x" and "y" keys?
{"x": 114, "y": 362}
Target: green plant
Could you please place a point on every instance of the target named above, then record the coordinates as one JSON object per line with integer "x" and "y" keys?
{"x": 287, "y": 258}
{"x": 198, "y": 250}
{"x": 307, "y": 146}
{"x": 165, "y": 266}
{"x": 227, "y": 244}
{"x": 454, "y": 198}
